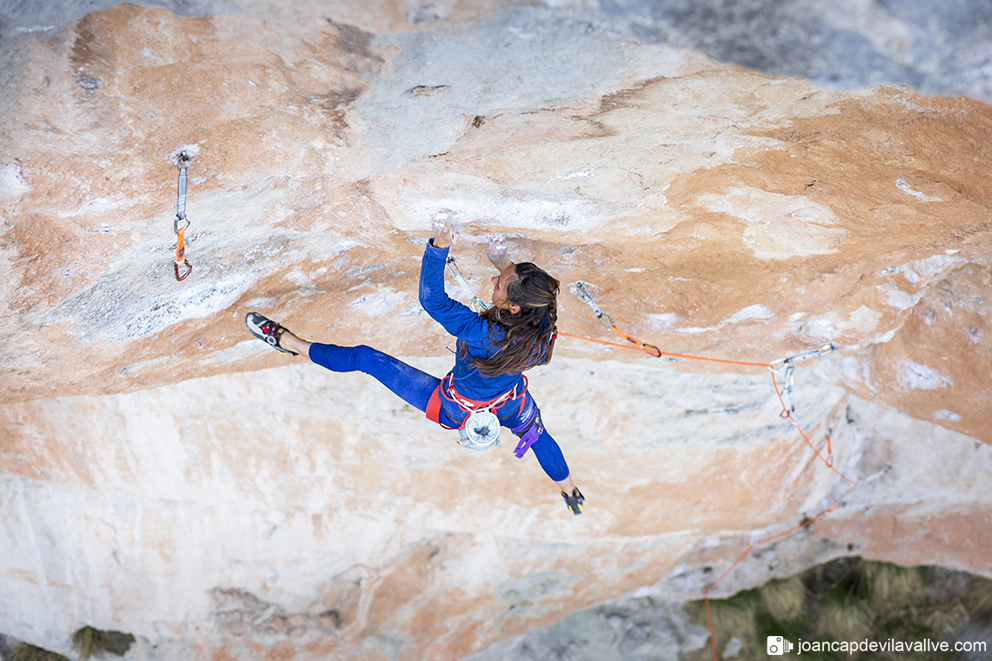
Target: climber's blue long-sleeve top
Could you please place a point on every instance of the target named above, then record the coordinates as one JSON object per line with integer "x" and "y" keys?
{"x": 473, "y": 332}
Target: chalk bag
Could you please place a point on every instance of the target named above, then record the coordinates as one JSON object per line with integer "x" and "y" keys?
{"x": 480, "y": 431}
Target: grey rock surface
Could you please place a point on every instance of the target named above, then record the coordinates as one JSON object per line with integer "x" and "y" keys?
{"x": 935, "y": 48}
{"x": 526, "y": 57}
{"x": 634, "y": 630}
{"x": 21, "y": 16}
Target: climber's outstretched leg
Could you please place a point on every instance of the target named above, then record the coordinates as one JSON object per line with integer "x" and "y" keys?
{"x": 408, "y": 383}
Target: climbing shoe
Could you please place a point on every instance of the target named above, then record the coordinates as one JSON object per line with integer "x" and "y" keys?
{"x": 574, "y": 502}
{"x": 266, "y": 330}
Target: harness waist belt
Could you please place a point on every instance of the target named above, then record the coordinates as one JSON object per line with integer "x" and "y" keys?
{"x": 447, "y": 390}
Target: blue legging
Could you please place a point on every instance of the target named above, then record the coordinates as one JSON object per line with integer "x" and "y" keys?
{"x": 415, "y": 388}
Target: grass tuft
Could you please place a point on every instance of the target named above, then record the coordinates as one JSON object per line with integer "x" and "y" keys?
{"x": 734, "y": 616}
{"x": 784, "y": 599}
{"x": 844, "y": 619}
{"x": 91, "y": 642}
{"x": 25, "y": 652}
{"x": 849, "y": 599}
{"x": 978, "y": 598}
{"x": 85, "y": 641}
{"x": 892, "y": 586}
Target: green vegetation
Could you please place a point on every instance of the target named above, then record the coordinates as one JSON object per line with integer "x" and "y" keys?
{"x": 88, "y": 642}
{"x": 25, "y": 652}
{"x": 849, "y": 600}
{"x": 93, "y": 642}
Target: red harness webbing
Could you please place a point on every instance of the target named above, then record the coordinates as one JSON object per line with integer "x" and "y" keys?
{"x": 449, "y": 393}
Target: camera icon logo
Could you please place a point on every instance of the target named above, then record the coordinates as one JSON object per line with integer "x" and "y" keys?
{"x": 778, "y": 646}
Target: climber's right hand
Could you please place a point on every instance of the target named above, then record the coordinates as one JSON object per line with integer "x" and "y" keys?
{"x": 443, "y": 227}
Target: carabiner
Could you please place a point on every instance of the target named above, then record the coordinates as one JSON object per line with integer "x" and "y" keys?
{"x": 788, "y": 393}
{"x": 175, "y": 224}
{"x": 779, "y": 363}
{"x": 189, "y": 269}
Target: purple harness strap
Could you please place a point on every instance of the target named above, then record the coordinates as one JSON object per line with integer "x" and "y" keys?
{"x": 534, "y": 428}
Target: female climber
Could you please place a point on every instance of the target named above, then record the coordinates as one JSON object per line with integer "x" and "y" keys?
{"x": 485, "y": 389}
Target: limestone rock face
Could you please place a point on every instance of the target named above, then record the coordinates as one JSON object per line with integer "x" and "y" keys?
{"x": 167, "y": 475}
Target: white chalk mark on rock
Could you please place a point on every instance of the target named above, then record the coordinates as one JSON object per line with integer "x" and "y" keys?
{"x": 914, "y": 376}
{"x": 12, "y": 183}
{"x": 904, "y": 187}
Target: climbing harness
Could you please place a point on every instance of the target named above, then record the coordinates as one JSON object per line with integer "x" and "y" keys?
{"x": 480, "y": 428}
{"x": 183, "y": 164}
{"x": 475, "y": 300}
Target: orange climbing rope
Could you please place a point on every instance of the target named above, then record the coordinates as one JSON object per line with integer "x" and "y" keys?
{"x": 657, "y": 353}
{"x": 787, "y": 412}
{"x": 706, "y": 594}
{"x": 829, "y": 462}
{"x": 581, "y": 289}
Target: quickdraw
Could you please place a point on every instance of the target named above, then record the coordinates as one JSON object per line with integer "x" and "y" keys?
{"x": 830, "y": 450}
{"x": 183, "y": 165}
{"x": 580, "y": 288}
{"x": 874, "y": 481}
{"x": 788, "y": 387}
{"x": 475, "y": 300}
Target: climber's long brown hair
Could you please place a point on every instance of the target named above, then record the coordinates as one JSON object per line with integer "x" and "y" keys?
{"x": 529, "y": 339}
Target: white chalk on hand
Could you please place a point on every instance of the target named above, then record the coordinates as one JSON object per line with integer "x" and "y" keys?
{"x": 496, "y": 250}
{"x": 442, "y": 223}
